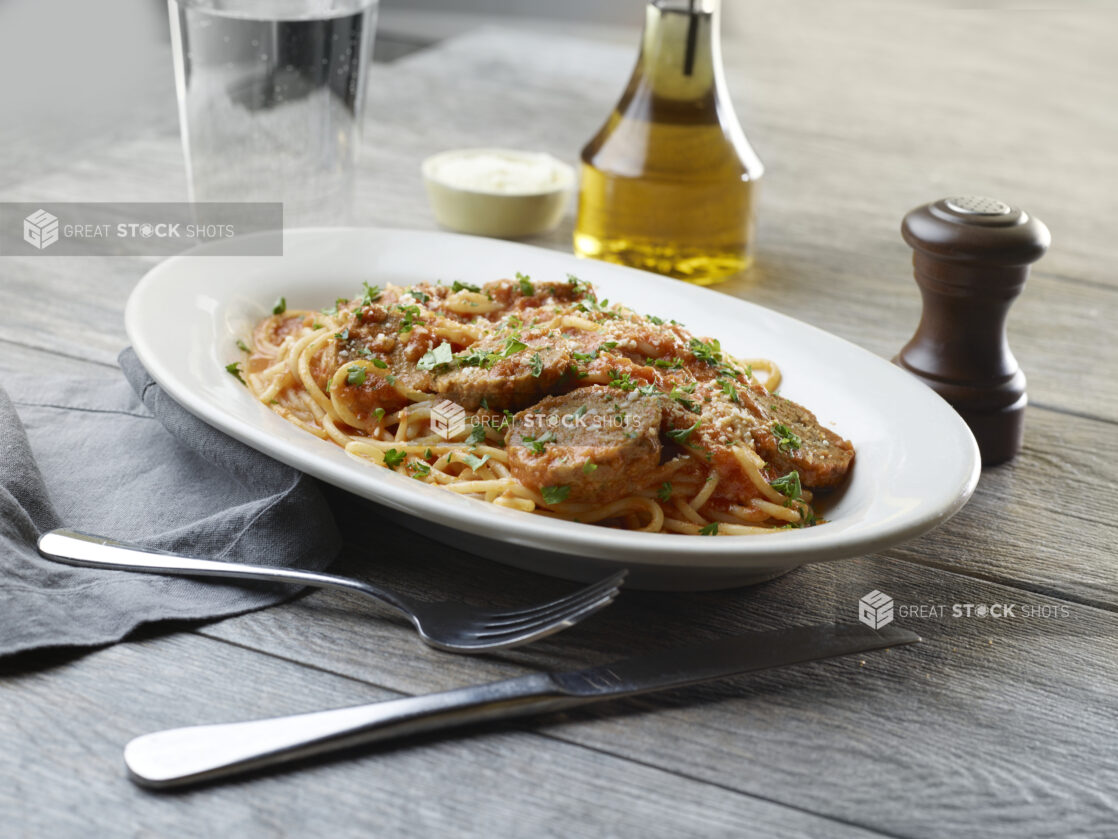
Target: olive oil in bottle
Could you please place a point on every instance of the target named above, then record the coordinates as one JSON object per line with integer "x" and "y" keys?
{"x": 668, "y": 183}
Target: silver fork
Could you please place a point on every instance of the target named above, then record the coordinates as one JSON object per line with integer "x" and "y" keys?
{"x": 447, "y": 625}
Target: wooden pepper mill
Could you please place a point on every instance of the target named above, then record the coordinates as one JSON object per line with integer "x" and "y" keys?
{"x": 971, "y": 258}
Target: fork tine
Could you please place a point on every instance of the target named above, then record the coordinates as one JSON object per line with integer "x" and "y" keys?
{"x": 569, "y": 604}
{"x": 495, "y": 639}
{"x": 613, "y": 581}
{"x": 551, "y": 612}
{"x": 561, "y": 619}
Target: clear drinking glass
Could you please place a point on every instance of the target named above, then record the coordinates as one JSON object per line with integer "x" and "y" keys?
{"x": 271, "y": 94}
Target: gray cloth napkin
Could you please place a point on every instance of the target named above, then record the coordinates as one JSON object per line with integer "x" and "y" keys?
{"x": 123, "y": 459}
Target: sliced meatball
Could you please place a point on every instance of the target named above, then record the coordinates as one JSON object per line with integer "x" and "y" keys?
{"x": 599, "y": 442}
{"x": 790, "y": 437}
{"x": 506, "y": 383}
{"x": 786, "y": 435}
{"x": 392, "y": 335}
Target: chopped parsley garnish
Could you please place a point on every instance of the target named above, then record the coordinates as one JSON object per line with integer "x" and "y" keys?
{"x": 536, "y": 444}
{"x": 473, "y": 461}
{"x": 789, "y": 485}
{"x": 580, "y": 411}
{"x": 440, "y": 356}
{"x": 583, "y": 356}
{"x": 477, "y": 435}
{"x": 411, "y": 317}
{"x": 242, "y": 346}
{"x": 579, "y": 287}
{"x": 419, "y": 468}
{"x": 421, "y": 296}
{"x": 807, "y": 519}
{"x": 526, "y": 287}
{"x": 372, "y": 293}
{"x": 393, "y": 458}
{"x": 621, "y": 380}
{"x": 378, "y": 414}
{"x": 588, "y": 467}
{"x": 786, "y": 438}
{"x": 343, "y": 335}
{"x": 536, "y": 365}
{"x": 678, "y": 395}
{"x": 376, "y": 362}
{"x": 655, "y": 320}
{"x": 356, "y": 376}
{"x": 594, "y": 306}
{"x": 729, "y": 389}
{"x": 512, "y": 347}
{"x": 665, "y": 491}
{"x": 461, "y": 286}
{"x": 648, "y": 390}
{"x": 607, "y": 345}
{"x": 680, "y": 435}
{"x": 710, "y": 530}
{"x": 390, "y": 379}
{"x": 280, "y": 307}
{"x": 555, "y": 494}
{"x": 477, "y": 358}
{"x": 234, "y": 370}
{"x": 670, "y": 363}
{"x": 710, "y": 352}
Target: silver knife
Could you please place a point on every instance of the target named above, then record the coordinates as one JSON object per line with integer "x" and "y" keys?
{"x": 181, "y": 756}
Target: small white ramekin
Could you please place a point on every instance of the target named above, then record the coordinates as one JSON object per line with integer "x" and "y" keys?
{"x": 505, "y": 213}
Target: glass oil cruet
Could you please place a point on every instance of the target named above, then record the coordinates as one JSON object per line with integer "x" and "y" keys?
{"x": 669, "y": 182}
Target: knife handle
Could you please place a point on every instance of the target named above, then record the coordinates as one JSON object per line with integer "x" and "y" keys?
{"x": 181, "y": 756}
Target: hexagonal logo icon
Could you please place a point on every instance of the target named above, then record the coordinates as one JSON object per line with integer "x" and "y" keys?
{"x": 40, "y": 229}
{"x": 875, "y": 610}
{"x": 448, "y": 419}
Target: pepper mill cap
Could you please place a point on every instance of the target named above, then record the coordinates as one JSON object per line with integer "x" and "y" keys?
{"x": 976, "y": 230}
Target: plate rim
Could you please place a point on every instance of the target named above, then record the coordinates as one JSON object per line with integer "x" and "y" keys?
{"x": 571, "y": 538}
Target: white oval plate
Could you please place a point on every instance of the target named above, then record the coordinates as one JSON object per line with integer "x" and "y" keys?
{"x": 917, "y": 462}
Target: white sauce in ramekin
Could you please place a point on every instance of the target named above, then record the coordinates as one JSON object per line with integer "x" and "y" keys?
{"x": 499, "y": 171}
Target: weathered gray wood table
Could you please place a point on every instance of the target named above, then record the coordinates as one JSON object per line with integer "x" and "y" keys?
{"x": 986, "y": 729}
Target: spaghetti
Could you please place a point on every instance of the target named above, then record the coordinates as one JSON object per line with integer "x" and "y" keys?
{"x": 441, "y": 383}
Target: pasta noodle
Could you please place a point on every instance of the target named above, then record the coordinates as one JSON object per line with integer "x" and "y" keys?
{"x": 345, "y": 376}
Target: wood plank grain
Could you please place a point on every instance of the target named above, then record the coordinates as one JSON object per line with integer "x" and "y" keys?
{"x": 833, "y": 197}
{"x": 1004, "y": 725}
{"x": 1039, "y": 522}
{"x": 62, "y": 731}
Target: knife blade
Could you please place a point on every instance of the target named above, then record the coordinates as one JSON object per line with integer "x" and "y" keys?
{"x": 724, "y": 657}
{"x": 197, "y": 754}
